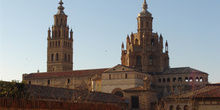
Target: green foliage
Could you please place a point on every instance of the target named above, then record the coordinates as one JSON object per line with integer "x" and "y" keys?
{"x": 13, "y": 89}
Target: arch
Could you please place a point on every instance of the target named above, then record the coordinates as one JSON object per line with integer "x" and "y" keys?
{"x": 57, "y": 57}
{"x": 53, "y": 44}
{"x": 68, "y": 81}
{"x": 159, "y": 80}
{"x": 186, "y": 79}
{"x": 178, "y": 107}
{"x": 55, "y": 33}
{"x": 150, "y": 61}
{"x": 152, "y": 41}
{"x": 68, "y": 58}
{"x": 146, "y": 24}
{"x": 56, "y": 43}
{"x": 164, "y": 80}
{"x": 118, "y": 92}
{"x": 126, "y": 76}
{"x": 168, "y": 79}
{"x": 65, "y": 57}
{"x": 186, "y": 107}
{"x": 190, "y": 79}
{"x": 174, "y": 79}
{"x": 138, "y": 60}
{"x": 179, "y": 79}
{"x": 197, "y": 79}
{"x": 200, "y": 79}
{"x": 52, "y": 57}
{"x": 59, "y": 33}
{"x": 136, "y": 41}
{"x": 170, "y": 107}
{"x": 142, "y": 24}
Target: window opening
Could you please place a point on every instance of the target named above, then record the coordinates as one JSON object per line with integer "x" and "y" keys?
{"x": 138, "y": 60}
{"x": 48, "y": 82}
{"x": 134, "y": 102}
{"x": 150, "y": 60}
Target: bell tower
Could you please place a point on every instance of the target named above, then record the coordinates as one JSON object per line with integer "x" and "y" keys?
{"x": 144, "y": 49}
{"x": 60, "y": 44}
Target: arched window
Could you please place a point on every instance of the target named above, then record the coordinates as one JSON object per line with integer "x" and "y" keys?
{"x": 146, "y": 24}
{"x": 68, "y": 81}
{"x": 179, "y": 79}
{"x": 58, "y": 43}
{"x": 186, "y": 107}
{"x": 61, "y": 21}
{"x": 186, "y": 79}
{"x": 138, "y": 60}
{"x": 174, "y": 79}
{"x": 171, "y": 107}
{"x": 136, "y": 41}
{"x": 126, "y": 76}
{"x": 110, "y": 76}
{"x": 48, "y": 82}
{"x": 142, "y": 24}
{"x": 178, "y": 107}
{"x": 159, "y": 80}
{"x": 164, "y": 80}
{"x": 152, "y": 41}
{"x": 168, "y": 79}
{"x": 150, "y": 61}
{"x": 52, "y": 57}
{"x": 197, "y": 79}
{"x": 65, "y": 57}
{"x": 57, "y": 57}
{"x": 55, "y": 33}
{"x": 50, "y": 44}
{"x": 68, "y": 58}
{"x": 190, "y": 79}
{"x": 59, "y": 33}
{"x": 200, "y": 79}
{"x": 53, "y": 44}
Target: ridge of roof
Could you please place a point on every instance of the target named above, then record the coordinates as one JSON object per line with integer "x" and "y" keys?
{"x": 64, "y": 73}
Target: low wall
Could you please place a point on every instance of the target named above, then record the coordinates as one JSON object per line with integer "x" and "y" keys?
{"x": 20, "y": 104}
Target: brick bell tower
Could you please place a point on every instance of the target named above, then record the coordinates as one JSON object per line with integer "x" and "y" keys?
{"x": 144, "y": 49}
{"x": 60, "y": 44}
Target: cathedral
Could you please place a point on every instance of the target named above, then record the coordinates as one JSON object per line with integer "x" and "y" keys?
{"x": 143, "y": 77}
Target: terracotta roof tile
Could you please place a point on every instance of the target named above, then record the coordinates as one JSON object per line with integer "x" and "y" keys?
{"x": 88, "y": 72}
{"x": 182, "y": 70}
{"x": 209, "y": 91}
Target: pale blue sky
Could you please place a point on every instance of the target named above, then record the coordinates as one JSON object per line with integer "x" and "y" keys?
{"x": 100, "y": 26}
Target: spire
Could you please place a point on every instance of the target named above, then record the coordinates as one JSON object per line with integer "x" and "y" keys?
{"x": 60, "y": 8}
{"x": 144, "y": 10}
{"x": 144, "y": 6}
{"x": 122, "y": 46}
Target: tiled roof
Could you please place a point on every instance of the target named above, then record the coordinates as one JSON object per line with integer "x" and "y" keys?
{"x": 182, "y": 70}
{"x": 65, "y": 73}
{"x": 52, "y": 93}
{"x": 139, "y": 88}
{"x": 209, "y": 91}
{"x": 135, "y": 89}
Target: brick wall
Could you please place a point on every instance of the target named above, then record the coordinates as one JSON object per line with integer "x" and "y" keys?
{"x": 20, "y": 104}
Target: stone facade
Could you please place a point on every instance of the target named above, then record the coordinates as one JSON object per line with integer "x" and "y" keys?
{"x": 143, "y": 76}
